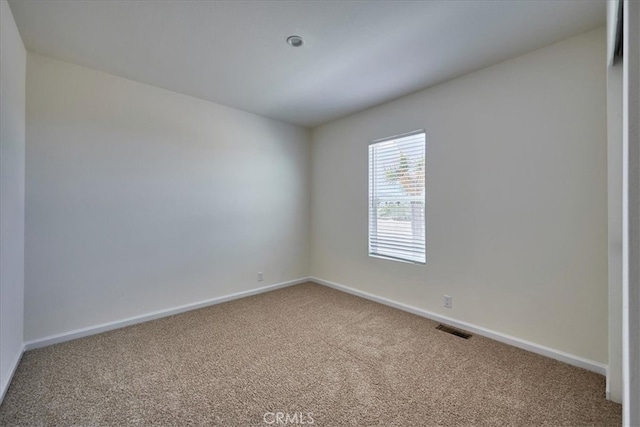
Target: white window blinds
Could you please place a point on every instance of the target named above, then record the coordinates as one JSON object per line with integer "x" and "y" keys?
{"x": 397, "y": 197}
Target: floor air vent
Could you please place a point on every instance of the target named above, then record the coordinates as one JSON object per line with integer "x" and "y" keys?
{"x": 454, "y": 331}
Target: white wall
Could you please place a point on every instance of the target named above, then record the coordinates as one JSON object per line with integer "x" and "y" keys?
{"x": 614, "y": 215}
{"x": 13, "y": 58}
{"x": 139, "y": 199}
{"x": 614, "y": 179}
{"x": 516, "y": 198}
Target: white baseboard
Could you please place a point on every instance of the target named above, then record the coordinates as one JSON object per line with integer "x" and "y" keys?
{"x": 562, "y": 356}
{"x": 6, "y": 382}
{"x": 92, "y": 330}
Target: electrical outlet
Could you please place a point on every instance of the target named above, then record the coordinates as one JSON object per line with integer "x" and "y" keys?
{"x": 260, "y": 276}
{"x": 448, "y": 301}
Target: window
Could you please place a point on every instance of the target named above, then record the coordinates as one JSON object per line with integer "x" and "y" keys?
{"x": 397, "y": 197}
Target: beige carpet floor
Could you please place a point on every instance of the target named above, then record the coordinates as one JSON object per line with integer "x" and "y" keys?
{"x": 314, "y": 354}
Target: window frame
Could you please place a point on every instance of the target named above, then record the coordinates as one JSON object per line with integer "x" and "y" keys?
{"x": 372, "y": 201}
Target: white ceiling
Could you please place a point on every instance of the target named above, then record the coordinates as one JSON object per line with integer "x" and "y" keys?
{"x": 356, "y": 53}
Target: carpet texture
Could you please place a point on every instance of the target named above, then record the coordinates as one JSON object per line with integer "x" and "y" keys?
{"x": 316, "y": 355}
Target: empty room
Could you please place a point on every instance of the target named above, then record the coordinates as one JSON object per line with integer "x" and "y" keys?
{"x": 331, "y": 213}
